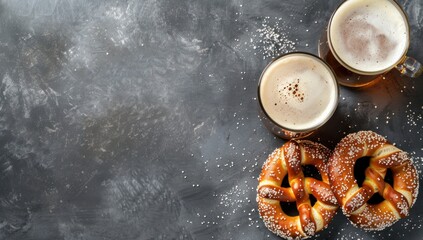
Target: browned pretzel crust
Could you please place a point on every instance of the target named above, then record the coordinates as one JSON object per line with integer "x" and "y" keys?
{"x": 399, "y": 198}
{"x": 288, "y": 160}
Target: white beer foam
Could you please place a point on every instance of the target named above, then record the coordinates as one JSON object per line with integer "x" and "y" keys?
{"x": 298, "y": 92}
{"x": 369, "y": 36}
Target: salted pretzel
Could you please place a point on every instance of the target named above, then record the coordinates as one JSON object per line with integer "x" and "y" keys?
{"x": 289, "y": 160}
{"x": 398, "y": 199}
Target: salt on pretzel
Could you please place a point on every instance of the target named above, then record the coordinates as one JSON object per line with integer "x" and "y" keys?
{"x": 398, "y": 198}
{"x": 289, "y": 160}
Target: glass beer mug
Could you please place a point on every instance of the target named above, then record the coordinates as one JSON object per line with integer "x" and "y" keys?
{"x": 366, "y": 39}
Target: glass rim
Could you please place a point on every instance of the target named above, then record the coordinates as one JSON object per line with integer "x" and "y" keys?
{"x": 334, "y": 80}
{"x": 401, "y": 59}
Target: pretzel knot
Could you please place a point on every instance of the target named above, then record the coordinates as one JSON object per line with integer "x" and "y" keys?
{"x": 289, "y": 160}
{"x": 398, "y": 199}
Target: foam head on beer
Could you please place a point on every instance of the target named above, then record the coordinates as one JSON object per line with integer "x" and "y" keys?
{"x": 298, "y": 92}
{"x": 369, "y": 36}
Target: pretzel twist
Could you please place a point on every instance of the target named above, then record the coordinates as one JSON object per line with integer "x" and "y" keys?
{"x": 289, "y": 160}
{"x": 398, "y": 199}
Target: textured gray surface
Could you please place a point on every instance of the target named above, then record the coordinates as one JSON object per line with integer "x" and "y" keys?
{"x": 138, "y": 119}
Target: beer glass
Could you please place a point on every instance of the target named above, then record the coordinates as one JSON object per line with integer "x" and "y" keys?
{"x": 297, "y": 94}
{"x": 366, "y": 39}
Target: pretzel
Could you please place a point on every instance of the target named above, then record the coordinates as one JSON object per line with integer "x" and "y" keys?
{"x": 398, "y": 199}
{"x": 288, "y": 160}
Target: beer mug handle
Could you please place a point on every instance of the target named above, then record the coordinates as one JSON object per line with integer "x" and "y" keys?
{"x": 410, "y": 67}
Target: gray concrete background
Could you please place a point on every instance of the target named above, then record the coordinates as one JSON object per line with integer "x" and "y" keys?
{"x": 138, "y": 119}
